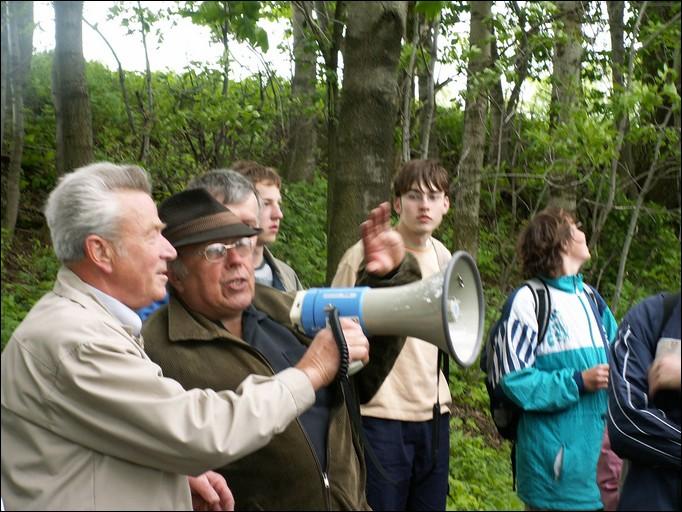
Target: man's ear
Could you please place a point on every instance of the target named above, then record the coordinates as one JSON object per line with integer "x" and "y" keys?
{"x": 446, "y": 200}
{"x": 397, "y": 205}
{"x": 174, "y": 280}
{"x": 100, "y": 252}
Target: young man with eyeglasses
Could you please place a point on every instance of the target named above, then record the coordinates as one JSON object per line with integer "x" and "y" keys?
{"x": 220, "y": 326}
{"x": 406, "y": 422}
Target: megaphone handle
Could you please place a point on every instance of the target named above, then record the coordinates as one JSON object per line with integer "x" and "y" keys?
{"x": 345, "y": 369}
{"x": 335, "y": 326}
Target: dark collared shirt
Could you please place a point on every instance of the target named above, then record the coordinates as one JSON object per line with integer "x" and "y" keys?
{"x": 283, "y": 350}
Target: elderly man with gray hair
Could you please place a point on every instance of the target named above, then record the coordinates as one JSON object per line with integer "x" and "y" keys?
{"x": 88, "y": 420}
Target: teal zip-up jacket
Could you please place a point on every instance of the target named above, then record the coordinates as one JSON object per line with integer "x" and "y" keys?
{"x": 561, "y": 428}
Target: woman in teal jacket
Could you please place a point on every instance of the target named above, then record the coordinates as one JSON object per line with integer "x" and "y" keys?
{"x": 560, "y": 382}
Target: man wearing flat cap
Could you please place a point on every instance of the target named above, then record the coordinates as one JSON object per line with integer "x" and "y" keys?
{"x": 220, "y": 327}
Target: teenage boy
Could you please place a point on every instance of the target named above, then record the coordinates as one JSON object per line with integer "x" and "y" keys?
{"x": 407, "y": 421}
{"x": 270, "y": 271}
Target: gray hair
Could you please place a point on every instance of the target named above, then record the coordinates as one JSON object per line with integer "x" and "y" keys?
{"x": 84, "y": 202}
{"x": 227, "y": 186}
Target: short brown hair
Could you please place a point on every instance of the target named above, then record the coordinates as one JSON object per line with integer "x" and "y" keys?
{"x": 542, "y": 241}
{"x": 429, "y": 174}
{"x": 257, "y": 173}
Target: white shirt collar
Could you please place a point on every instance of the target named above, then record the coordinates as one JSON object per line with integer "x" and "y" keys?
{"x": 120, "y": 311}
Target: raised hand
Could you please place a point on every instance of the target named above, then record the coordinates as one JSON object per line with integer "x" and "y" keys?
{"x": 384, "y": 247}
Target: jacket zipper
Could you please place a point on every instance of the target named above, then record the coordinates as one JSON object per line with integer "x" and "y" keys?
{"x": 323, "y": 474}
{"x": 327, "y": 489}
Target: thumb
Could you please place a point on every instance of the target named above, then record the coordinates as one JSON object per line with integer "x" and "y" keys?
{"x": 372, "y": 266}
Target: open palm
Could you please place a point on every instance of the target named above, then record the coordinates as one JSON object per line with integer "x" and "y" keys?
{"x": 384, "y": 247}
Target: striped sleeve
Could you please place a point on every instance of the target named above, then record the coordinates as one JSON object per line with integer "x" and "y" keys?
{"x": 527, "y": 386}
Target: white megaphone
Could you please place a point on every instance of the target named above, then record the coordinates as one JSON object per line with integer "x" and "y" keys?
{"x": 446, "y": 310}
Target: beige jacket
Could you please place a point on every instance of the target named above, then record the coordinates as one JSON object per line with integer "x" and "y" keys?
{"x": 409, "y": 391}
{"x": 89, "y": 422}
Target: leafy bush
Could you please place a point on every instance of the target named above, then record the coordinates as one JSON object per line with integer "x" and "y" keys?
{"x": 480, "y": 474}
{"x": 302, "y": 241}
{"x": 25, "y": 278}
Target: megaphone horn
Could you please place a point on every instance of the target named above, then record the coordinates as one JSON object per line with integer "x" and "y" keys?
{"x": 446, "y": 309}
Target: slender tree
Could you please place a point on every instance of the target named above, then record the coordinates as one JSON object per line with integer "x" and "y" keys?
{"x": 20, "y": 38}
{"x": 4, "y": 73}
{"x": 121, "y": 77}
{"x": 366, "y": 147}
{"x": 327, "y": 30}
{"x": 302, "y": 127}
{"x": 146, "y": 105}
{"x": 468, "y": 183}
{"x": 70, "y": 91}
{"x": 427, "y": 90}
{"x": 407, "y": 87}
{"x": 568, "y": 51}
{"x": 622, "y": 83}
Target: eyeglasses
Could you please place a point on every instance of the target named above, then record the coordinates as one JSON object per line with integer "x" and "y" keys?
{"x": 431, "y": 196}
{"x": 216, "y": 252}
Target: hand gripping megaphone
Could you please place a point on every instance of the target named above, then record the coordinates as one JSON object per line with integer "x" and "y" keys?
{"x": 446, "y": 310}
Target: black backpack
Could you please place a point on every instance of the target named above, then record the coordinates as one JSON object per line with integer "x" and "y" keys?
{"x": 504, "y": 412}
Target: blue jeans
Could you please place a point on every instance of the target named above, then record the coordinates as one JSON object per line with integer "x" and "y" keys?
{"x": 404, "y": 449}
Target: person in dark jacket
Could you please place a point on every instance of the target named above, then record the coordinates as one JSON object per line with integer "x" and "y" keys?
{"x": 644, "y": 405}
{"x": 214, "y": 332}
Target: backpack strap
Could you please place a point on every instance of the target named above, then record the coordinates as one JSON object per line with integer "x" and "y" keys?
{"x": 598, "y": 305}
{"x": 543, "y": 304}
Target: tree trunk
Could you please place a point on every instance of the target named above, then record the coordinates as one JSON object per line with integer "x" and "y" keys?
{"x": 70, "y": 91}
{"x": 678, "y": 84}
{"x": 367, "y": 114}
{"x": 497, "y": 111}
{"x": 621, "y": 85}
{"x": 632, "y": 225}
{"x": 303, "y": 126}
{"x": 468, "y": 184}
{"x": 4, "y": 80}
{"x": 20, "y": 38}
{"x": 148, "y": 108}
{"x": 121, "y": 78}
{"x": 429, "y": 101}
{"x": 329, "y": 35}
{"x": 565, "y": 96}
{"x": 616, "y": 28}
{"x": 408, "y": 88}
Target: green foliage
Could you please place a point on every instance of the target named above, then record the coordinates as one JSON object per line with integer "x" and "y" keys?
{"x": 26, "y": 276}
{"x": 239, "y": 19}
{"x": 653, "y": 266}
{"x": 429, "y": 9}
{"x": 480, "y": 474}
{"x": 202, "y": 122}
{"x": 302, "y": 241}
